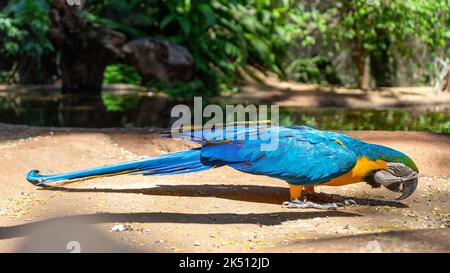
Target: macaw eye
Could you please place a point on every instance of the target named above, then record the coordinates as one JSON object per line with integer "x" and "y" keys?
{"x": 397, "y": 170}
{"x": 400, "y": 170}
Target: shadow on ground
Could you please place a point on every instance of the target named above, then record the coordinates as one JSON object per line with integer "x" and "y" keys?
{"x": 64, "y": 235}
{"x": 249, "y": 193}
{"x": 163, "y": 217}
{"x": 435, "y": 240}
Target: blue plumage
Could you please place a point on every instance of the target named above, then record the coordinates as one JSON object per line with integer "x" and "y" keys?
{"x": 303, "y": 155}
{"x": 180, "y": 162}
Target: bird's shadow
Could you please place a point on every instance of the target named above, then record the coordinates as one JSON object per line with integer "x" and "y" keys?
{"x": 263, "y": 219}
{"x": 248, "y": 193}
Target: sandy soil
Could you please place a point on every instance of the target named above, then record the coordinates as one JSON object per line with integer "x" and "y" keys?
{"x": 221, "y": 210}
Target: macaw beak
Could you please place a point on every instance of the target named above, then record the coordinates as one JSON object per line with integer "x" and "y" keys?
{"x": 406, "y": 185}
{"x": 408, "y": 188}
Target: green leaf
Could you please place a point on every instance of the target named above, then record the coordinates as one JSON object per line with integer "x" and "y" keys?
{"x": 185, "y": 24}
{"x": 167, "y": 20}
{"x": 208, "y": 12}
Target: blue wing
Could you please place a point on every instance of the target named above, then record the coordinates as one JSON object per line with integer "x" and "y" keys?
{"x": 303, "y": 155}
{"x": 239, "y": 132}
{"x": 299, "y": 155}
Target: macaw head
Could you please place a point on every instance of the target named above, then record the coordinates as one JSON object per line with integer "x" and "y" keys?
{"x": 400, "y": 175}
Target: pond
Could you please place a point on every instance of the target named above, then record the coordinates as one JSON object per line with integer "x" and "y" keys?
{"x": 143, "y": 110}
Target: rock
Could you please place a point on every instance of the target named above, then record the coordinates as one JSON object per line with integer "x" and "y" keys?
{"x": 159, "y": 60}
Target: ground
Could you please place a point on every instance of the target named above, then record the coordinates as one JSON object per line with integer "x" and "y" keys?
{"x": 220, "y": 210}
{"x": 269, "y": 89}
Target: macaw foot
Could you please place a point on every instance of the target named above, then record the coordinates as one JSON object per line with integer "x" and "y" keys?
{"x": 328, "y": 198}
{"x": 308, "y": 204}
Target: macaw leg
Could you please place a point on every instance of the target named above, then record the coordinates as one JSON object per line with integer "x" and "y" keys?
{"x": 311, "y": 195}
{"x": 296, "y": 193}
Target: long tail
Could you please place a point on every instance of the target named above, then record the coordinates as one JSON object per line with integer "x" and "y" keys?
{"x": 174, "y": 163}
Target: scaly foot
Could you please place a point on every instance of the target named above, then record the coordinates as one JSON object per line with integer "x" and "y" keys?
{"x": 327, "y": 198}
{"x": 308, "y": 204}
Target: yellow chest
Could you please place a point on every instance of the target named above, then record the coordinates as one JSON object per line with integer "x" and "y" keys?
{"x": 363, "y": 166}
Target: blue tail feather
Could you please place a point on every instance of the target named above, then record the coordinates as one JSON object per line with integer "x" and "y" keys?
{"x": 174, "y": 163}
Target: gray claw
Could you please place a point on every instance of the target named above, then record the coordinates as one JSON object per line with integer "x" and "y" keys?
{"x": 348, "y": 202}
{"x": 308, "y": 204}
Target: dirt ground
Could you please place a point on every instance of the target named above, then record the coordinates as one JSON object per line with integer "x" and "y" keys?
{"x": 221, "y": 210}
{"x": 270, "y": 89}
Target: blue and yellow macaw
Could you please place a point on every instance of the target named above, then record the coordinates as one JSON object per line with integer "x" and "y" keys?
{"x": 303, "y": 157}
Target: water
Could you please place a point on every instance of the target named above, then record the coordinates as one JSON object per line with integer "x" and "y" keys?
{"x": 141, "y": 110}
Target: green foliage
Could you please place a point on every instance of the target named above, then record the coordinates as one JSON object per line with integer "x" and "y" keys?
{"x": 121, "y": 73}
{"x": 389, "y": 28}
{"x": 358, "y": 119}
{"x": 12, "y": 35}
{"x": 378, "y": 25}
{"x": 308, "y": 25}
{"x": 223, "y": 36}
{"x": 381, "y": 30}
{"x": 4, "y": 76}
{"x": 120, "y": 103}
{"x": 25, "y": 24}
{"x": 318, "y": 69}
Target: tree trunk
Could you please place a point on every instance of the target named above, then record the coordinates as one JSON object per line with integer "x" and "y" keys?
{"x": 85, "y": 50}
{"x": 446, "y": 83}
{"x": 362, "y": 62}
{"x": 382, "y": 68}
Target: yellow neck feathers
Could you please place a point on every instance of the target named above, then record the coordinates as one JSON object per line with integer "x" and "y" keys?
{"x": 363, "y": 166}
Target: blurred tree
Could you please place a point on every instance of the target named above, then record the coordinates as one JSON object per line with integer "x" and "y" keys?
{"x": 223, "y": 36}
{"x": 374, "y": 29}
{"x": 84, "y": 49}
{"x": 317, "y": 69}
{"x": 25, "y": 50}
